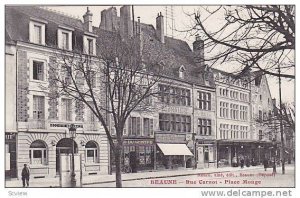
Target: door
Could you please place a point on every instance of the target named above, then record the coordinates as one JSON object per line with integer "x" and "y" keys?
{"x": 64, "y": 146}
{"x": 133, "y": 161}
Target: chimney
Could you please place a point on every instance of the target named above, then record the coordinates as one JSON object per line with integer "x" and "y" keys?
{"x": 87, "y": 20}
{"x": 160, "y": 27}
{"x": 274, "y": 101}
{"x": 198, "y": 48}
{"x": 109, "y": 19}
{"x": 125, "y": 22}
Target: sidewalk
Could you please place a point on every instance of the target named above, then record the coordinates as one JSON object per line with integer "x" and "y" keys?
{"x": 94, "y": 179}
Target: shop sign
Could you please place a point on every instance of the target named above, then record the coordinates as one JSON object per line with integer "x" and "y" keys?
{"x": 61, "y": 125}
{"x": 136, "y": 142}
{"x": 10, "y": 136}
{"x": 170, "y": 138}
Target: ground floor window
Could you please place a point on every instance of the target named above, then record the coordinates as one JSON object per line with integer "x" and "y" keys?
{"x": 138, "y": 157}
{"x": 91, "y": 152}
{"x": 38, "y": 153}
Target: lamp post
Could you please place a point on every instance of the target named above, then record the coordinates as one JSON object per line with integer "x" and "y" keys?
{"x": 274, "y": 155}
{"x": 259, "y": 154}
{"x": 194, "y": 147}
{"x": 72, "y": 131}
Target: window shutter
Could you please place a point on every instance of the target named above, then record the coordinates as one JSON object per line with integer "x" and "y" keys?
{"x": 124, "y": 130}
{"x": 138, "y": 126}
{"x": 151, "y": 127}
{"x": 112, "y": 127}
{"x": 129, "y": 126}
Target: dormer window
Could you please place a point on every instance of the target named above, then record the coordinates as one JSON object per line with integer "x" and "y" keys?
{"x": 89, "y": 44}
{"x": 181, "y": 71}
{"x": 37, "y": 37}
{"x": 64, "y": 37}
{"x": 37, "y": 31}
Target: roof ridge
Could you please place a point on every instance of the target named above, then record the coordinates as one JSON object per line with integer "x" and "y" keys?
{"x": 59, "y": 12}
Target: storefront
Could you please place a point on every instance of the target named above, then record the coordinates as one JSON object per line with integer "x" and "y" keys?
{"x": 171, "y": 151}
{"x": 10, "y": 155}
{"x": 230, "y": 152}
{"x": 206, "y": 153}
{"x": 138, "y": 154}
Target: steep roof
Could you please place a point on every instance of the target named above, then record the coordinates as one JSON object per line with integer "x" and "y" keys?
{"x": 173, "y": 54}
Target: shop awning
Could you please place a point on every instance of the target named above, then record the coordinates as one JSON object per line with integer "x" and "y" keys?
{"x": 174, "y": 149}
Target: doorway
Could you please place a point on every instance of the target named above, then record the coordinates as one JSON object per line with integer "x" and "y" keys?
{"x": 64, "y": 146}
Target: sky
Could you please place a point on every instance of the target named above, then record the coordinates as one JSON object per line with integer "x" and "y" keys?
{"x": 182, "y": 22}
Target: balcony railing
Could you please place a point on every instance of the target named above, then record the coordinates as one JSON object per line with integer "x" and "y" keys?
{"x": 36, "y": 124}
{"x": 91, "y": 126}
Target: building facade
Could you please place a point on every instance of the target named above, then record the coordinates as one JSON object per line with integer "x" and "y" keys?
{"x": 234, "y": 135}
{"x": 201, "y": 117}
{"x": 37, "y": 123}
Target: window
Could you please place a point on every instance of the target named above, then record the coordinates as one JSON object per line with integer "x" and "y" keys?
{"x": 204, "y": 100}
{"x": 37, "y": 31}
{"x": 260, "y": 115}
{"x": 148, "y": 126}
{"x": 38, "y": 153}
{"x": 204, "y": 127}
{"x": 90, "y": 114}
{"x": 37, "y": 36}
{"x": 65, "y": 40}
{"x": 224, "y": 109}
{"x": 260, "y": 135}
{"x": 66, "y": 110}
{"x": 181, "y": 72}
{"x": 174, "y": 122}
{"x": 92, "y": 78}
{"x": 224, "y": 129}
{"x": 38, "y": 70}
{"x": 234, "y": 111}
{"x": 134, "y": 126}
{"x": 260, "y": 97}
{"x": 38, "y": 107}
{"x": 91, "y": 150}
{"x": 243, "y": 112}
{"x": 90, "y": 46}
{"x": 175, "y": 95}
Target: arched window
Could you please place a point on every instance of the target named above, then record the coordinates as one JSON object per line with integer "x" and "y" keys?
{"x": 181, "y": 71}
{"x": 38, "y": 153}
{"x": 91, "y": 152}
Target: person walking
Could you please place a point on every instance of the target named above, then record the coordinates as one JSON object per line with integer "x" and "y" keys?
{"x": 242, "y": 162}
{"x": 265, "y": 164}
{"x": 25, "y": 175}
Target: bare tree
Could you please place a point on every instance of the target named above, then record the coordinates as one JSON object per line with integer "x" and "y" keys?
{"x": 274, "y": 122}
{"x": 258, "y": 37}
{"x": 111, "y": 85}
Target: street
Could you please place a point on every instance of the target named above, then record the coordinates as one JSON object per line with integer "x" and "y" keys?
{"x": 239, "y": 178}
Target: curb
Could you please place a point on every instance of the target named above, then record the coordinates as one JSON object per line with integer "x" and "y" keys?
{"x": 156, "y": 177}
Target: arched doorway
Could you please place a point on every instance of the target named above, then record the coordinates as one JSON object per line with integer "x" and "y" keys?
{"x": 64, "y": 146}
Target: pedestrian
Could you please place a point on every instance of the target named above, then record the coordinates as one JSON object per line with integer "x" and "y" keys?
{"x": 25, "y": 175}
{"x": 234, "y": 162}
{"x": 242, "y": 162}
{"x": 265, "y": 164}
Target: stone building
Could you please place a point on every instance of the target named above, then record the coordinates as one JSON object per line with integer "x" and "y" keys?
{"x": 201, "y": 118}
{"x": 234, "y": 136}
{"x": 37, "y": 123}
{"x": 183, "y": 122}
{"x": 263, "y": 121}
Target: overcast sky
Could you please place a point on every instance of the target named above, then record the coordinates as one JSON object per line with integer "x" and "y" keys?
{"x": 181, "y": 22}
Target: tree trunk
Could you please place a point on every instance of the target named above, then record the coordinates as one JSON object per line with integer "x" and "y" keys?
{"x": 118, "y": 166}
{"x": 282, "y": 153}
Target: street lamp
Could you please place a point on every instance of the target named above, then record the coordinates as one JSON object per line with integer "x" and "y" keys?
{"x": 259, "y": 153}
{"x": 72, "y": 131}
{"x": 274, "y": 155}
